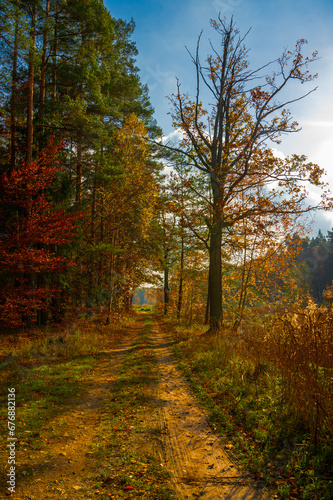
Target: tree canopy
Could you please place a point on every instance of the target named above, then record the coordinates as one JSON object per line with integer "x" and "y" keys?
{"x": 69, "y": 78}
{"x": 87, "y": 214}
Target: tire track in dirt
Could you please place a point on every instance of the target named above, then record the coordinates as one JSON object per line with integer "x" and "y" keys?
{"x": 196, "y": 457}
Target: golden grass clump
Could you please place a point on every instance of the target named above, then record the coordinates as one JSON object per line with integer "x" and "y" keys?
{"x": 299, "y": 344}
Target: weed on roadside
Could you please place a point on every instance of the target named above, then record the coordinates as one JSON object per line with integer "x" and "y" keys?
{"x": 49, "y": 371}
{"x": 246, "y": 402}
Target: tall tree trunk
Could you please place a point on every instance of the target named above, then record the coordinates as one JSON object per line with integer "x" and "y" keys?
{"x": 112, "y": 277}
{"x": 43, "y": 71}
{"x": 93, "y": 204}
{"x": 246, "y": 274}
{"x": 54, "y": 54}
{"x": 166, "y": 290}
{"x": 207, "y": 308}
{"x": 93, "y": 270}
{"x": 111, "y": 290}
{"x": 13, "y": 98}
{"x": 181, "y": 279}
{"x": 31, "y": 77}
{"x": 30, "y": 110}
{"x": 78, "y": 168}
{"x": 215, "y": 272}
{"x": 102, "y": 237}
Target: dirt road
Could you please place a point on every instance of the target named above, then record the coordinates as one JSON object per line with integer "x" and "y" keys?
{"x": 173, "y": 426}
{"x": 64, "y": 467}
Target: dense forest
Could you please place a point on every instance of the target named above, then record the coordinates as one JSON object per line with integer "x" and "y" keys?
{"x": 87, "y": 215}
{"x": 79, "y": 180}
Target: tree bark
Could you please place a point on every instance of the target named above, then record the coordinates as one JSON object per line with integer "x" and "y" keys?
{"x": 54, "y": 54}
{"x": 166, "y": 290}
{"x": 181, "y": 279}
{"x": 215, "y": 273}
{"x": 43, "y": 71}
{"x": 78, "y": 168}
{"x": 13, "y": 99}
{"x": 207, "y": 307}
{"x": 31, "y": 77}
{"x": 94, "y": 272}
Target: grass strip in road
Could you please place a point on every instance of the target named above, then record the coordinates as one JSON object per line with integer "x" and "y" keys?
{"x": 52, "y": 373}
{"x": 126, "y": 438}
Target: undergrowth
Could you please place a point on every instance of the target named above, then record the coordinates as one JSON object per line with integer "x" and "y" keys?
{"x": 252, "y": 401}
{"x": 48, "y": 371}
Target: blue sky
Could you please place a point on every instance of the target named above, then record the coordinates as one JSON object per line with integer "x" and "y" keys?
{"x": 164, "y": 28}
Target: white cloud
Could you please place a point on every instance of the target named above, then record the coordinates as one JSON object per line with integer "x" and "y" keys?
{"x": 278, "y": 154}
{"x": 174, "y": 136}
{"x": 318, "y": 123}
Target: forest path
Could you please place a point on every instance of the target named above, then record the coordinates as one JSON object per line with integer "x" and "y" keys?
{"x": 196, "y": 457}
{"x": 171, "y": 426}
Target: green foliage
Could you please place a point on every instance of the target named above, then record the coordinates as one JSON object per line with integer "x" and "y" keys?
{"x": 315, "y": 262}
{"x": 80, "y": 64}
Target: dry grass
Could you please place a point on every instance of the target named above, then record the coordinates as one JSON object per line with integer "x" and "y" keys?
{"x": 268, "y": 388}
{"x": 299, "y": 343}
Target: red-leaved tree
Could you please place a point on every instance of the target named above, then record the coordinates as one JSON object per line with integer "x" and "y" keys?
{"x": 31, "y": 235}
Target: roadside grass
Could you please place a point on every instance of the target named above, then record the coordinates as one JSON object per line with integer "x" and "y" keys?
{"x": 125, "y": 439}
{"x": 248, "y": 405}
{"x": 146, "y": 308}
{"x": 49, "y": 372}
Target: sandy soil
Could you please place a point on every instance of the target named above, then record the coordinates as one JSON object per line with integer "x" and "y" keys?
{"x": 199, "y": 461}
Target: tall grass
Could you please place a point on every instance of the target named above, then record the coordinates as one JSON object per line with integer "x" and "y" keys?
{"x": 299, "y": 343}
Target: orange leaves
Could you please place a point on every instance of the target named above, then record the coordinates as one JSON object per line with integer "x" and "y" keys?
{"x": 137, "y": 189}
{"x": 250, "y": 189}
{"x": 259, "y": 96}
{"x": 125, "y": 201}
{"x": 130, "y": 141}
